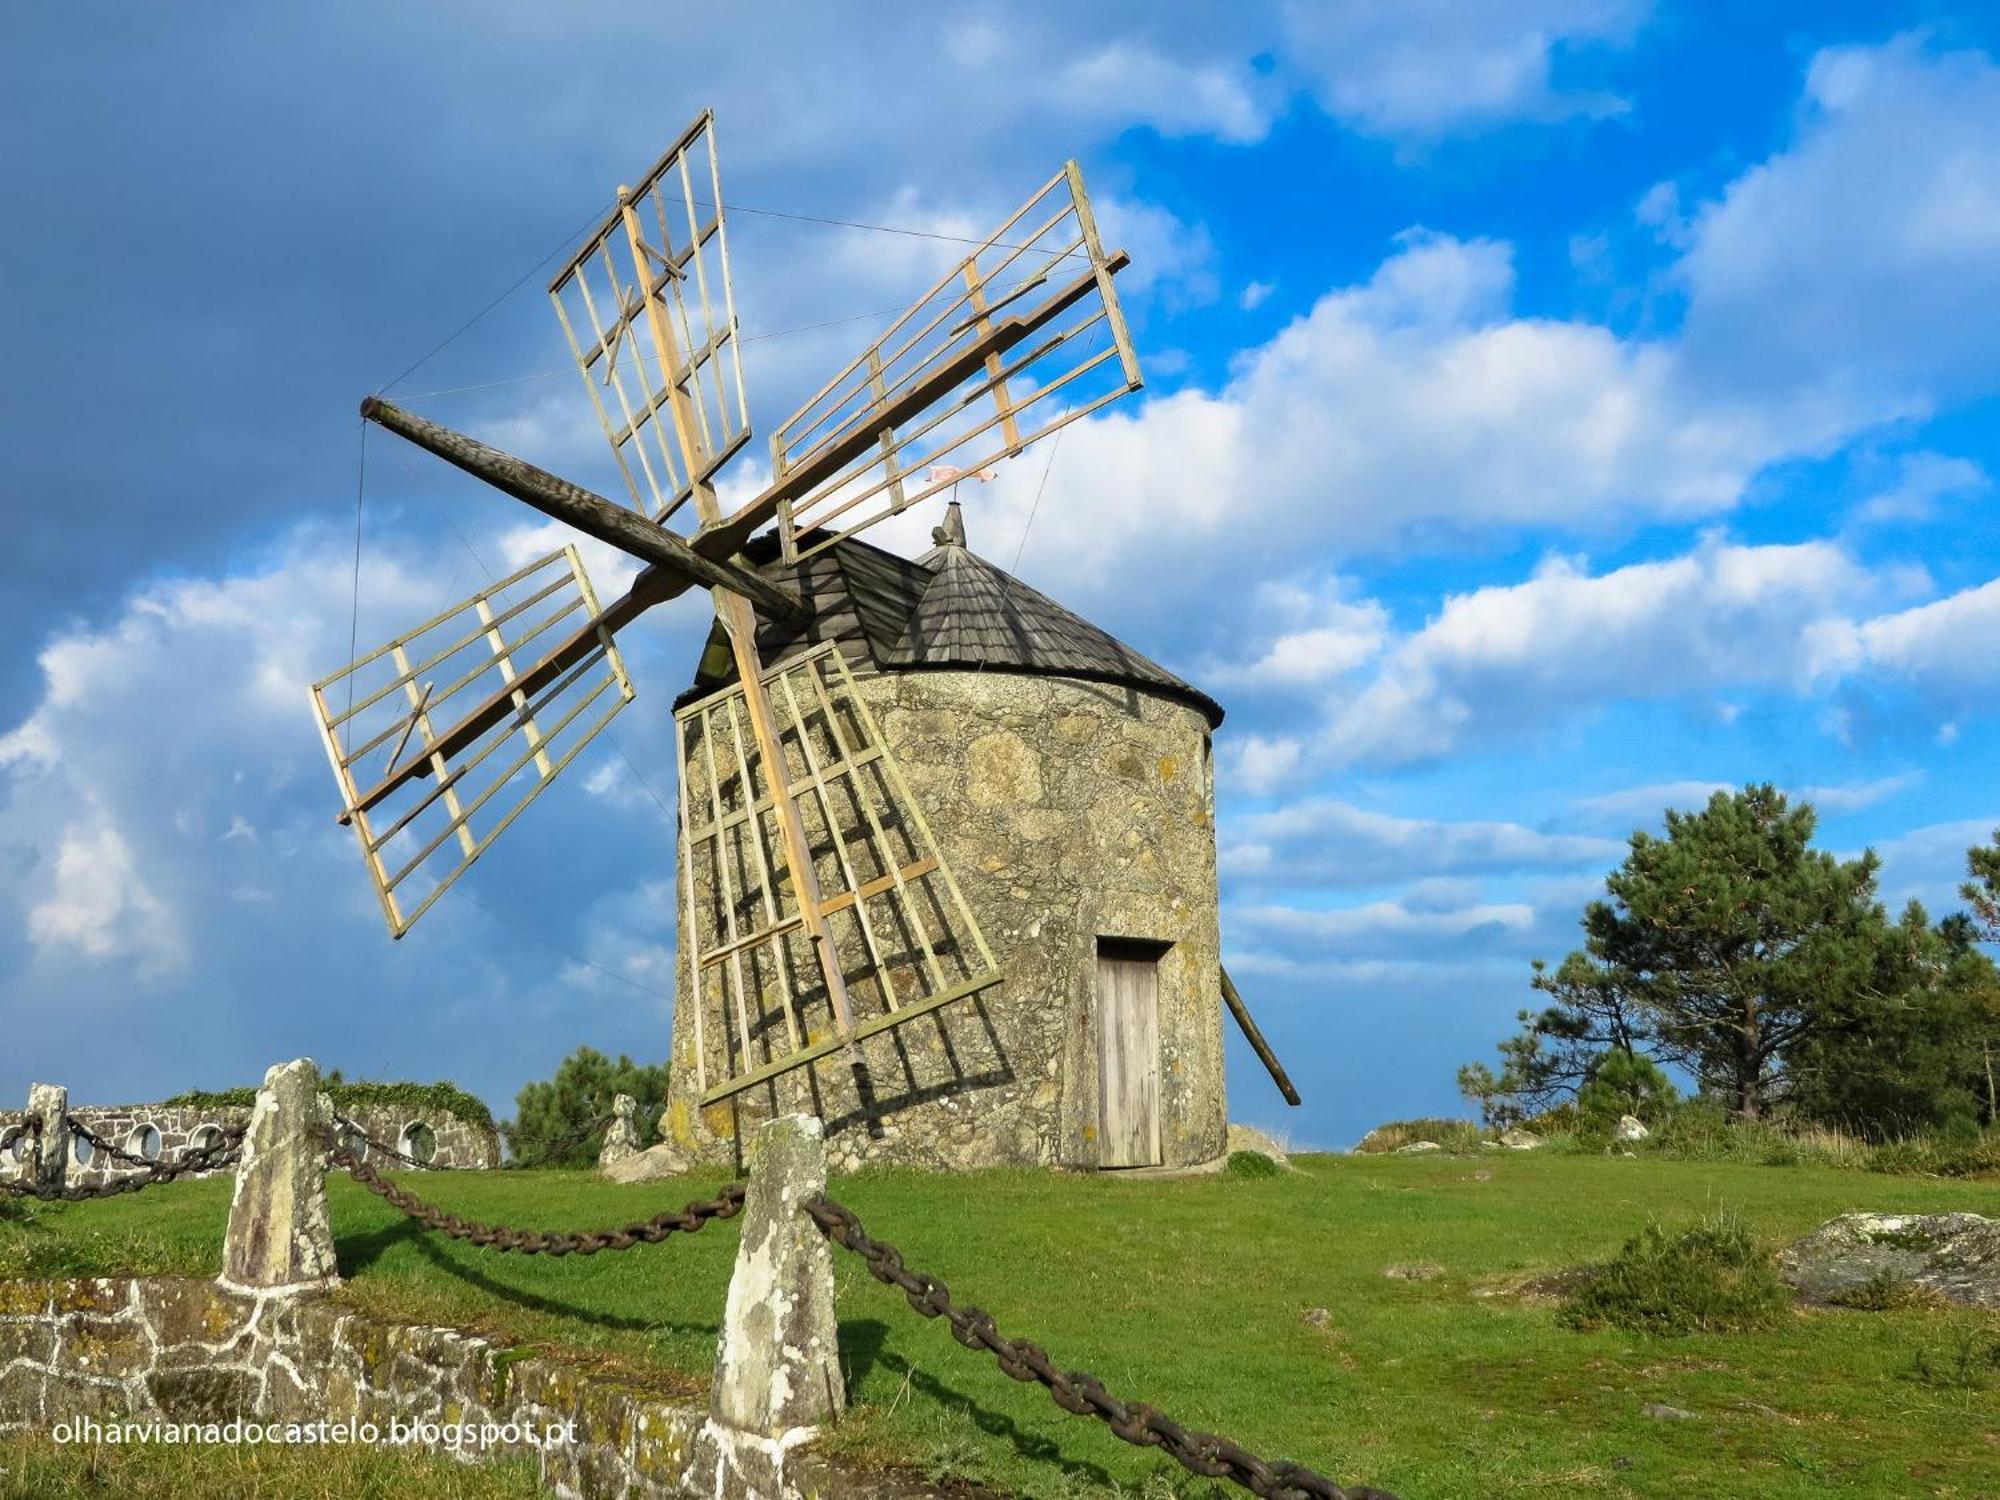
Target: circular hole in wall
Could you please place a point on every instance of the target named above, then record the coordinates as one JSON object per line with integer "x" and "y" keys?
{"x": 144, "y": 1142}
{"x": 419, "y": 1142}
{"x": 15, "y": 1146}
{"x": 354, "y": 1143}
{"x": 80, "y": 1151}
{"x": 205, "y": 1138}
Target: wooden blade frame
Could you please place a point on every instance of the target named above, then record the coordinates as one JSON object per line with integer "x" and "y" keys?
{"x": 658, "y": 299}
{"x": 1078, "y": 358}
{"x": 672, "y": 225}
{"x": 905, "y": 938}
{"x": 379, "y": 715}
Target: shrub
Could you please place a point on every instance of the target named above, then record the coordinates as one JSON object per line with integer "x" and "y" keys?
{"x": 1453, "y": 1135}
{"x": 1965, "y": 1361}
{"x": 443, "y": 1095}
{"x": 1708, "y": 1279}
{"x": 1251, "y": 1164}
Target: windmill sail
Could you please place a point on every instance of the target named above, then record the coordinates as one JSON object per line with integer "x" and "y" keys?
{"x": 906, "y": 940}
{"x": 535, "y": 642}
{"x": 650, "y": 314}
{"x": 1020, "y": 338}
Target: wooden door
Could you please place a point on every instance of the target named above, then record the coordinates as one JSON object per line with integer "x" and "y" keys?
{"x": 1128, "y": 1057}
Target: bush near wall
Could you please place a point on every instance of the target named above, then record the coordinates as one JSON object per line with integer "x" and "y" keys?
{"x": 442, "y": 1095}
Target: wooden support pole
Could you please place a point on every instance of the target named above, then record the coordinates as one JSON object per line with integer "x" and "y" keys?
{"x": 1256, "y": 1038}
{"x": 590, "y": 513}
{"x": 739, "y": 623}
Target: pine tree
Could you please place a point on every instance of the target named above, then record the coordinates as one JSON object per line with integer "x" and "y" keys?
{"x": 550, "y": 1119}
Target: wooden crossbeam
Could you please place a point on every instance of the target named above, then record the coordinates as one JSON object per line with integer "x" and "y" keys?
{"x": 861, "y": 1032}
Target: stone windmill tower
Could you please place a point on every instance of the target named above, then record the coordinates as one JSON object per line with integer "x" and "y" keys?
{"x": 1081, "y": 831}
{"x": 946, "y": 851}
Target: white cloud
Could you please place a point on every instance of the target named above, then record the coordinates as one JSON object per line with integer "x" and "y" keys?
{"x": 1122, "y": 80}
{"x": 1421, "y": 68}
{"x": 1321, "y": 634}
{"x": 1857, "y": 795}
{"x": 1630, "y": 806}
{"x": 1858, "y": 263}
{"x": 1322, "y": 841}
{"x": 1506, "y": 659}
{"x": 1938, "y": 647}
{"x": 1254, "y": 295}
{"x": 1411, "y": 406}
{"x": 1923, "y": 480}
{"x": 99, "y": 906}
{"x": 1375, "y": 919}
{"x": 1927, "y": 863}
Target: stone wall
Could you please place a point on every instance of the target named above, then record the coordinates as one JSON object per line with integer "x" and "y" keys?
{"x": 1068, "y": 811}
{"x": 179, "y": 1350}
{"x": 460, "y": 1143}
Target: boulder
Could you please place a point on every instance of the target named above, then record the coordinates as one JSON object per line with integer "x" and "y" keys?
{"x": 653, "y": 1164}
{"x": 1250, "y": 1138}
{"x": 1956, "y": 1256}
{"x": 1416, "y": 1146}
{"x": 1518, "y": 1139}
{"x": 1630, "y": 1128}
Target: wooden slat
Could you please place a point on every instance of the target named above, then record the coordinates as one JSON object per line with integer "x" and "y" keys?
{"x": 862, "y": 1031}
{"x": 913, "y": 871}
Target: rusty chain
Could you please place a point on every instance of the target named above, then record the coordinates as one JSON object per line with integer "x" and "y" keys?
{"x": 686, "y": 1220}
{"x": 1078, "y": 1391}
{"x": 99, "y": 1143}
{"x": 341, "y": 1122}
{"x": 223, "y": 1152}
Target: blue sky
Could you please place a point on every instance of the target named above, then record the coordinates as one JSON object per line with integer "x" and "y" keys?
{"x": 1553, "y": 410}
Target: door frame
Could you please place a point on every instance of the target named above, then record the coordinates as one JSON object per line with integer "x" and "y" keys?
{"x": 1122, "y": 948}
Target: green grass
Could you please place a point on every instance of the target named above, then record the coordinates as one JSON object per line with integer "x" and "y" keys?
{"x": 34, "y": 1468}
{"x": 1257, "y": 1308}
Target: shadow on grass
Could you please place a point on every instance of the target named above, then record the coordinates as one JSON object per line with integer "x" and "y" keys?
{"x": 375, "y": 1245}
{"x": 863, "y": 1347}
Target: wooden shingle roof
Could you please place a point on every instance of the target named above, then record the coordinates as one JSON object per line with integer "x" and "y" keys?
{"x": 950, "y": 608}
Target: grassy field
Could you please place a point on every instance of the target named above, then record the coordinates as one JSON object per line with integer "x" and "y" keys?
{"x": 1256, "y": 1308}
{"x": 36, "y": 1469}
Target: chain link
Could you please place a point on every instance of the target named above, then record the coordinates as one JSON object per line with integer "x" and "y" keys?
{"x": 222, "y": 1152}
{"x": 99, "y": 1143}
{"x": 726, "y": 1204}
{"x": 1078, "y": 1391}
{"x": 341, "y": 1122}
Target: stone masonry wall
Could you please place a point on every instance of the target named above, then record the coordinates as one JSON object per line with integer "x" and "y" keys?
{"x": 180, "y": 1350}
{"x": 460, "y": 1143}
{"x": 1068, "y": 811}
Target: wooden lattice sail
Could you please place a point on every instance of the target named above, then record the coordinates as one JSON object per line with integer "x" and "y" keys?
{"x": 1022, "y": 337}
{"x": 904, "y": 939}
{"x": 650, "y": 314}
{"x": 425, "y": 806}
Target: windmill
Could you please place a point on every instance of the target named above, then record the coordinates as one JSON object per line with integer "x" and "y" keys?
{"x": 794, "y": 809}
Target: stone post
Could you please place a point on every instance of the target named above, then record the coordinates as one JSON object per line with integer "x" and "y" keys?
{"x": 48, "y": 1108}
{"x": 278, "y": 1234}
{"x": 621, "y": 1139}
{"x": 777, "y": 1367}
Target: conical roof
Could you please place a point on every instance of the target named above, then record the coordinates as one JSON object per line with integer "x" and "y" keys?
{"x": 949, "y": 608}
